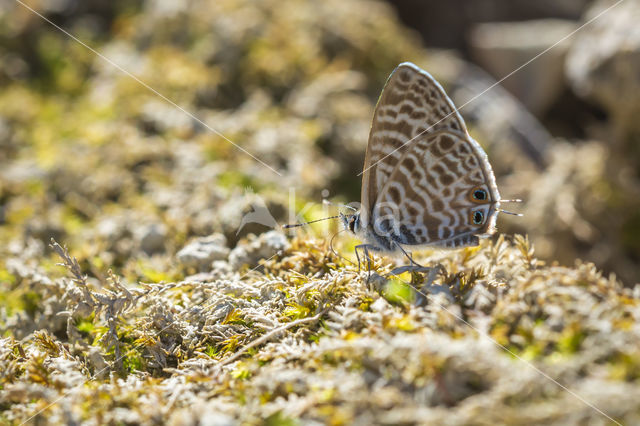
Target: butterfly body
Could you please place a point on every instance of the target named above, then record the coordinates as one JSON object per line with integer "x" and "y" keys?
{"x": 425, "y": 181}
{"x": 377, "y": 242}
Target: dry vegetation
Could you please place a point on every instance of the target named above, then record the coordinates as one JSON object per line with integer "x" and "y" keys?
{"x": 128, "y": 296}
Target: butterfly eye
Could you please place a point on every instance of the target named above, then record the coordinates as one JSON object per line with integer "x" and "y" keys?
{"x": 477, "y": 217}
{"x": 479, "y": 194}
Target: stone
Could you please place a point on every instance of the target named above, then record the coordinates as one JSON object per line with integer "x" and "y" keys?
{"x": 603, "y": 64}
{"x": 152, "y": 238}
{"x": 264, "y": 246}
{"x": 200, "y": 253}
{"x": 502, "y": 47}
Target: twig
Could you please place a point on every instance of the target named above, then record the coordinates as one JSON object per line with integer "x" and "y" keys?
{"x": 271, "y": 334}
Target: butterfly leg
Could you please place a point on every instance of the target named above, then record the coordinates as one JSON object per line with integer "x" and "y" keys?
{"x": 365, "y": 250}
{"x": 358, "y": 256}
{"x": 413, "y": 267}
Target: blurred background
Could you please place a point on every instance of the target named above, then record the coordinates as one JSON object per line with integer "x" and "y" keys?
{"x": 95, "y": 159}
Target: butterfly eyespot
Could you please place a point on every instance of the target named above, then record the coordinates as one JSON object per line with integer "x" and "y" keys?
{"x": 479, "y": 194}
{"x": 477, "y": 217}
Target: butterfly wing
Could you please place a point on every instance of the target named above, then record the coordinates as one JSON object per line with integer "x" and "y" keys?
{"x": 412, "y": 103}
{"x": 442, "y": 192}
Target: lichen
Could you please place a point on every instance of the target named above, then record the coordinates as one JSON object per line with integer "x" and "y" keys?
{"x": 311, "y": 338}
{"x": 131, "y": 292}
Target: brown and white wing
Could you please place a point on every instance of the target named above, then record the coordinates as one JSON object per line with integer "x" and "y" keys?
{"x": 442, "y": 192}
{"x": 412, "y": 103}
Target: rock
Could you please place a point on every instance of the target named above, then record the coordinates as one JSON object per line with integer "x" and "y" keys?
{"x": 604, "y": 62}
{"x": 200, "y": 253}
{"x": 446, "y": 23}
{"x": 158, "y": 116}
{"x": 152, "y": 238}
{"x": 264, "y": 246}
{"x": 44, "y": 229}
{"x": 380, "y": 305}
{"x": 116, "y": 232}
{"x": 220, "y": 268}
{"x": 246, "y": 214}
{"x": 502, "y": 47}
{"x": 505, "y": 127}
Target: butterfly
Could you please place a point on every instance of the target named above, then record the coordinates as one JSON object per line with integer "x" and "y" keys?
{"x": 425, "y": 181}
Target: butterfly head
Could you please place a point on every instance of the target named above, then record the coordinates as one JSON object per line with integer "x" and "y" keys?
{"x": 351, "y": 222}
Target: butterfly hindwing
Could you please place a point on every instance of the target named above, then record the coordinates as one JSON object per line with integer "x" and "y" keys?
{"x": 441, "y": 190}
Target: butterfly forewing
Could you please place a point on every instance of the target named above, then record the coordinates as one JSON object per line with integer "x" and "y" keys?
{"x": 412, "y": 103}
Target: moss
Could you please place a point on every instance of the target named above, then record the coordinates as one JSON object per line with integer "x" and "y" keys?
{"x": 297, "y": 311}
{"x": 31, "y": 302}
{"x": 145, "y": 271}
{"x": 241, "y": 373}
{"x": 297, "y": 334}
{"x": 625, "y": 366}
{"x": 133, "y": 361}
{"x": 571, "y": 339}
{"x": 85, "y": 325}
{"x": 236, "y": 316}
{"x": 235, "y": 179}
{"x": 280, "y": 419}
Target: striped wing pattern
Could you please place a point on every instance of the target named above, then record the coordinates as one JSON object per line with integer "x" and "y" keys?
{"x": 422, "y": 170}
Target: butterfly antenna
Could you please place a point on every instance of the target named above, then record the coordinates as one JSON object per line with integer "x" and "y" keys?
{"x": 515, "y": 200}
{"x": 339, "y": 205}
{"x": 295, "y": 225}
{"x": 512, "y": 213}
